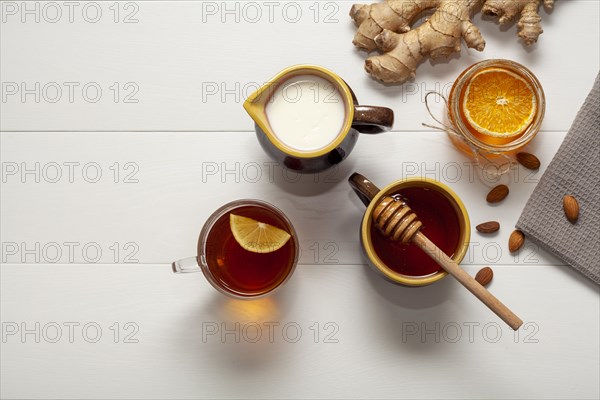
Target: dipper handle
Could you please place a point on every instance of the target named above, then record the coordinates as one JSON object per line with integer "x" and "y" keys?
{"x": 396, "y": 220}
{"x": 467, "y": 281}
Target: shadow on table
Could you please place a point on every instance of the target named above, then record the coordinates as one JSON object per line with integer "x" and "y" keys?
{"x": 307, "y": 185}
{"x": 242, "y": 337}
{"x": 412, "y": 318}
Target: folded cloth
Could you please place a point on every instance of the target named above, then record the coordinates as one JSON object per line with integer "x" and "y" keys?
{"x": 575, "y": 170}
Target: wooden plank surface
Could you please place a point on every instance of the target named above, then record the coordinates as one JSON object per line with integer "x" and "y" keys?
{"x": 150, "y": 193}
{"x": 343, "y": 332}
{"x": 98, "y": 197}
{"x": 190, "y": 64}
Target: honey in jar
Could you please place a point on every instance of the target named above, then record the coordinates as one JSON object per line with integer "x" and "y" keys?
{"x": 496, "y": 107}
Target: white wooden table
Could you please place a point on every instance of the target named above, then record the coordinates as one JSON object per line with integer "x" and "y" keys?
{"x": 120, "y": 138}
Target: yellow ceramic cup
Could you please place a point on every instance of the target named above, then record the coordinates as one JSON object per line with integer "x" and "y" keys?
{"x": 370, "y": 195}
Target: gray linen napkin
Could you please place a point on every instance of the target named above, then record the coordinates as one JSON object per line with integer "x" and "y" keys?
{"x": 575, "y": 170}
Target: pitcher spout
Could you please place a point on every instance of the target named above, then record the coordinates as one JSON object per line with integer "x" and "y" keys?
{"x": 256, "y": 105}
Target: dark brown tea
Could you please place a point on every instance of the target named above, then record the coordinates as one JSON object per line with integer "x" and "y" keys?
{"x": 244, "y": 272}
{"x": 440, "y": 224}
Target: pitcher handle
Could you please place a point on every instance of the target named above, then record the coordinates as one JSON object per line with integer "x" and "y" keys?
{"x": 371, "y": 119}
{"x": 364, "y": 188}
{"x": 186, "y": 265}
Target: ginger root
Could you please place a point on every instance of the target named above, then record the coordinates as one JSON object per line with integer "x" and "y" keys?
{"x": 386, "y": 27}
{"x": 393, "y": 15}
{"x": 529, "y": 25}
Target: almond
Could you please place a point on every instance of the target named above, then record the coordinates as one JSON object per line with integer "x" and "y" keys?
{"x": 497, "y": 194}
{"x": 515, "y": 241}
{"x": 571, "y": 207}
{"x": 528, "y": 160}
{"x": 484, "y": 276}
{"x": 488, "y": 227}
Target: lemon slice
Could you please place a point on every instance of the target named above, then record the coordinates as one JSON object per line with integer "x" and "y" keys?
{"x": 255, "y": 236}
{"x": 499, "y": 103}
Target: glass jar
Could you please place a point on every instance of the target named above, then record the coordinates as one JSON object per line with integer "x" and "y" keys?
{"x": 469, "y": 140}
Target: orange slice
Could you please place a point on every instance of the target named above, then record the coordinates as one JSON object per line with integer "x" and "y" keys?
{"x": 499, "y": 103}
{"x": 255, "y": 236}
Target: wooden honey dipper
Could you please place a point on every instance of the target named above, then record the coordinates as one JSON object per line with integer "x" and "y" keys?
{"x": 395, "y": 219}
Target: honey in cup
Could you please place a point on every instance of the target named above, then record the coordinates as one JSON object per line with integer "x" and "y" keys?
{"x": 440, "y": 225}
{"x": 445, "y": 222}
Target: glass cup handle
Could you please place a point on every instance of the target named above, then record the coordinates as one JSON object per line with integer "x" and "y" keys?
{"x": 364, "y": 188}
{"x": 186, "y": 265}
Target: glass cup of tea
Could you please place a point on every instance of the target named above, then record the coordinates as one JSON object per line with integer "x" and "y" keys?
{"x": 247, "y": 249}
{"x": 308, "y": 119}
